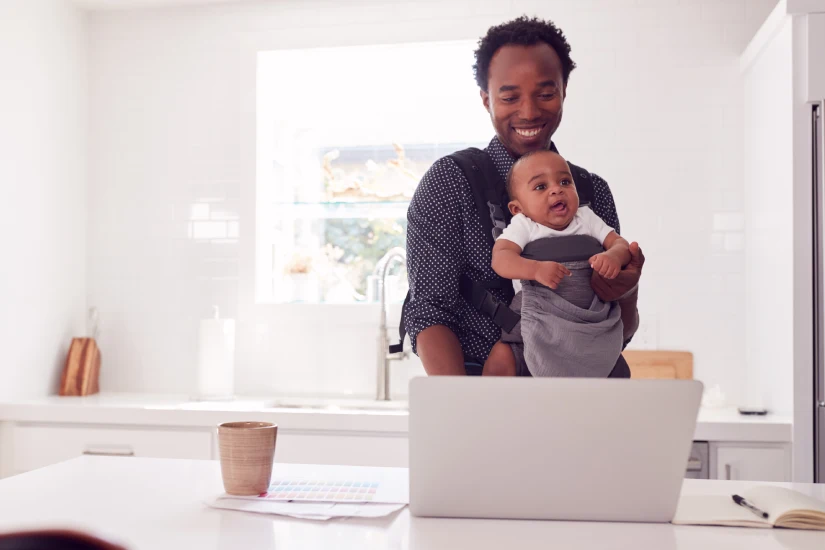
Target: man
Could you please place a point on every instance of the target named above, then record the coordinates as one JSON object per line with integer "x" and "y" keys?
{"x": 522, "y": 69}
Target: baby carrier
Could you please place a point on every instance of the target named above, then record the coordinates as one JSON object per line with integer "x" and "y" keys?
{"x": 491, "y": 201}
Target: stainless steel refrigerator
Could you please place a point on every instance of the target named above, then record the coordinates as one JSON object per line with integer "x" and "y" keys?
{"x": 818, "y": 187}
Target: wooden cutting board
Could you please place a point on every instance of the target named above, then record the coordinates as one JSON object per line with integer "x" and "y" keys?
{"x": 660, "y": 364}
{"x": 80, "y": 374}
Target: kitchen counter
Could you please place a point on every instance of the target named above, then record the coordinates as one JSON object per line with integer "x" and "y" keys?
{"x": 724, "y": 424}
{"x": 158, "y": 504}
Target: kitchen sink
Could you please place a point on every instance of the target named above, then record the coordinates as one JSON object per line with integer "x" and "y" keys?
{"x": 337, "y": 404}
{"x": 296, "y": 403}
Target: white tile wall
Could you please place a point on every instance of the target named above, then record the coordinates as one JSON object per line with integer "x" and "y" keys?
{"x": 43, "y": 128}
{"x": 654, "y": 107}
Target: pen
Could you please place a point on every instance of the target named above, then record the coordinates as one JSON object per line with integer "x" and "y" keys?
{"x": 742, "y": 502}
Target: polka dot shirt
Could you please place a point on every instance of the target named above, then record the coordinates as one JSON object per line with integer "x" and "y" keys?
{"x": 445, "y": 239}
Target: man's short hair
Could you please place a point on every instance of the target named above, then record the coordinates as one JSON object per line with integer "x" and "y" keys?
{"x": 522, "y": 31}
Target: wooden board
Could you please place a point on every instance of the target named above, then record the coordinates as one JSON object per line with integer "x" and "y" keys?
{"x": 80, "y": 374}
{"x": 660, "y": 364}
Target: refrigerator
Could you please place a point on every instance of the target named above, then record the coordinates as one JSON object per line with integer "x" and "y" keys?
{"x": 818, "y": 189}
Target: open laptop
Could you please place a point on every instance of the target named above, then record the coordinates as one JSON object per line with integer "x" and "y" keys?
{"x": 550, "y": 448}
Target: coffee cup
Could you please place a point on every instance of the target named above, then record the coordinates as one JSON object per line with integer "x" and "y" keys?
{"x": 247, "y": 451}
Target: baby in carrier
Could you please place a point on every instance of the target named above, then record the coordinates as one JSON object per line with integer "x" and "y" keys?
{"x": 567, "y": 330}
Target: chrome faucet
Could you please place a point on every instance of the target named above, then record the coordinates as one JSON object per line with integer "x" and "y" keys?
{"x": 382, "y": 391}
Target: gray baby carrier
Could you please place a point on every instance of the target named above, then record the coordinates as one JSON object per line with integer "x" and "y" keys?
{"x": 491, "y": 201}
{"x": 570, "y": 331}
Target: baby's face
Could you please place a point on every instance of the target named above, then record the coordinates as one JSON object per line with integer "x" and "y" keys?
{"x": 543, "y": 190}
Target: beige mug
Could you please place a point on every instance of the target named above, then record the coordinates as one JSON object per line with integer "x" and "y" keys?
{"x": 247, "y": 450}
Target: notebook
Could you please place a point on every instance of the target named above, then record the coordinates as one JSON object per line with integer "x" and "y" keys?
{"x": 785, "y": 507}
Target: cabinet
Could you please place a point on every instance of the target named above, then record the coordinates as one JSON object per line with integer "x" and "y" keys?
{"x": 349, "y": 449}
{"x": 750, "y": 461}
{"x": 28, "y": 446}
{"x": 38, "y": 445}
{"x": 302, "y": 447}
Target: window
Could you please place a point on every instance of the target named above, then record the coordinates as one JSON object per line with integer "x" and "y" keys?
{"x": 344, "y": 135}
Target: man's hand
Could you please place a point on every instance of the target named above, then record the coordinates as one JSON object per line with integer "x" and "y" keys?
{"x": 613, "y": 289}
{"x": 550, "y": 274}
{"x": 605, "y": 265}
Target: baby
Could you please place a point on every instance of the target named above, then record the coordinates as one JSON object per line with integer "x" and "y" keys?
{"x": 544, "y": 203}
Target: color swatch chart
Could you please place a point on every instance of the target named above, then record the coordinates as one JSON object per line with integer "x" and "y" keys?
{"x": 322, "y": 491}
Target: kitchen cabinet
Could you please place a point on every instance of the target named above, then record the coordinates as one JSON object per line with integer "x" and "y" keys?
{"x": 52, "y": 429}
{"x": 345, "y": 449}
{"x": 36, "y": 445}
{"x": 750, "y": 461}
{"x": 29, "y": 446}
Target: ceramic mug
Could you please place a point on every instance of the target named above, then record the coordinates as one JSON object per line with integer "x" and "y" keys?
{"x": 247, "y": 451}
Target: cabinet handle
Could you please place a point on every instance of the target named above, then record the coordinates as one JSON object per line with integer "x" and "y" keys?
{"x": 109, "y": 453}
{"x": 694, "y": 465}
{"x": 728, "y": 471}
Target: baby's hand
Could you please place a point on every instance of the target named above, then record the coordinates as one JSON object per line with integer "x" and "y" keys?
{"x": 606, "y": 265}
{"x": 551, "y": 273}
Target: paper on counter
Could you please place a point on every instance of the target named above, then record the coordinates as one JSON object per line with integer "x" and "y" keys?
{"x": 385, "y": 487}
{"x": 306, "y": 510}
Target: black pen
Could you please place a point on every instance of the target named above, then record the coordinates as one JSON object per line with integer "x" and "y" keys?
{"x": 742, "y": 502}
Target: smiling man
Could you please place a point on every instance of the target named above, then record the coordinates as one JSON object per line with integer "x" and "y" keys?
{"x": 522, "y": 69}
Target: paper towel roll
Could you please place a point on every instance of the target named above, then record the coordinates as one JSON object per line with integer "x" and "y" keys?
{"x": 216, "y": 358}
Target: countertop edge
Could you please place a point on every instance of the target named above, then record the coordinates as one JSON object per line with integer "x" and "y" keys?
{"x": 712, "y": 425}
{"x": 315, "y": 421}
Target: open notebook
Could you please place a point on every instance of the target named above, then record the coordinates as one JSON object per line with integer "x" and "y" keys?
{"x": 785, "y": 508}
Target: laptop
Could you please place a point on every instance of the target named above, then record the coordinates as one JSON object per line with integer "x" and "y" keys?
{"x": 550, "y": 448}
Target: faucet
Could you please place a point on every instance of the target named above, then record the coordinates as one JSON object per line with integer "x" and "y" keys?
{"x": 382, "y": 391}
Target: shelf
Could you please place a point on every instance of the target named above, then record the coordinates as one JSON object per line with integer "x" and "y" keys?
{"x": 342, "y": 209}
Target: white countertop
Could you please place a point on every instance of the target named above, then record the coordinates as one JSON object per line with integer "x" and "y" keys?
{"x": 175, "y": 410}
{"x": 158, "y": 504}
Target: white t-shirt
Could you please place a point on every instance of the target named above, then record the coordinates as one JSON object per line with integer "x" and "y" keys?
{"x": 523, "y": 230}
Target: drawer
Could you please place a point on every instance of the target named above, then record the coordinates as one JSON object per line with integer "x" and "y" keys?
{"x": 751, "y": 462}
{"x": 351, "y": 450}
{"x": 38, "y": 445}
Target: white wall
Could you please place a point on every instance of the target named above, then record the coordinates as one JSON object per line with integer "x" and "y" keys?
{"x": 768, "y": 170}
{"x": 654, "y": 107}
{"x": 43, "y": 184}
